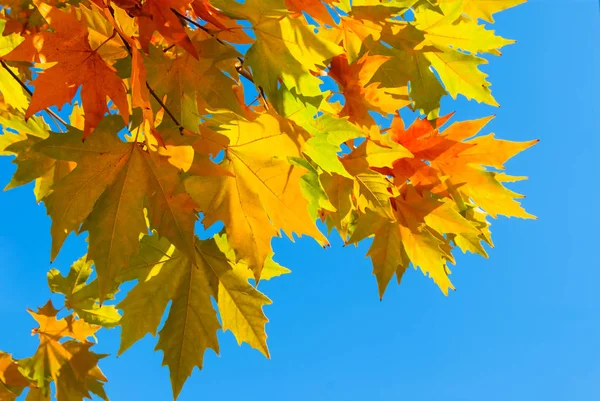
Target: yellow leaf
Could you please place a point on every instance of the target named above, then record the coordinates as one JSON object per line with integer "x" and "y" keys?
{"x": 484, "y": 9}
{"x": 360, "y": 97}
{"x": 192, "y": 85}
{"x": 81, "y": 297}
{"x": 265, "y": 195}
{"x": 12, "y": 381}
{"x": 424, "y": 250}
{"x": 386, "y": 252}
{"x": 339, "y": 190}
{"x": 472, "y": 242}
{"x": 117, "y": 220}
{"x": 444, "y": 31}
{"x": 287, "y": 49}
{"x": 373, "y": 154}
{"x": 441, "y": 216}
{"x": 166, "y": 274}
{"x": 99, "y": 160}
{"x": 352, "y": 33}
{"x": 240, "y": 304}
{"x": 460, "y": 74}
{"x": 70, "y": 365}
{"x": 270, "y": 270}
{"x": 489, "y": 151}
{"x": 192, "y": 324}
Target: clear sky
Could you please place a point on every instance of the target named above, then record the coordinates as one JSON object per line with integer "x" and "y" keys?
{"x": 522, "y": 325}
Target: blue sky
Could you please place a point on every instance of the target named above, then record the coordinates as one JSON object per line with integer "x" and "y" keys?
{"x": 523, "y": 325}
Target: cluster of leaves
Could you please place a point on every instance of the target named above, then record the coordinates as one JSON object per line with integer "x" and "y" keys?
{"x": 69, "y": 364}
{"x": 168, "y": 129}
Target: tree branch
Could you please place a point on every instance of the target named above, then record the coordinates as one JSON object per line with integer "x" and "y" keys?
{"x": 160, "y": 102}
{"x": 246, "y": 74}
{"x": 203, "y": 28}
{"x": 154, "y": 95}
{"x": 240, "y": 69}
{"x": 30, "y": 93}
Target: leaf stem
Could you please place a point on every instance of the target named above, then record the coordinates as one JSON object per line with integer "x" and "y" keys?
{"x": 30, "y": 93}
{"x": 456, "y": 196}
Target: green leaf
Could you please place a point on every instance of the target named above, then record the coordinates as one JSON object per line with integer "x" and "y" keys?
{"x": 82, "y": 297}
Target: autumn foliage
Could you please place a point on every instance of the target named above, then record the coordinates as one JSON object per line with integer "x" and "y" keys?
{"x": 263, "y": 116}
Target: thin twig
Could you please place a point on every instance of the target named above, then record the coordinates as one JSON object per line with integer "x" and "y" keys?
{"x": 57, "y": 123}
{"x": 16, "y": 77}
{"x": 205, "y": 29}
{"x": 154, "y": 95}
{"x": 137, "y": 133}
{"x": 245, "y": 73}
{"x": 160, "y": 102}
{"x": 166, "y": 49}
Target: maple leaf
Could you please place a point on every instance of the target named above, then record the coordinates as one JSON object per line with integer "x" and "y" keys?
{"x": 484, "y": 9}
{"x": 99, "y": 161}
{"x": 12, "y": 93}
{"x": 449, "y": 30}
{"x": 459, "y": 162}
{"x": 340, "y": 192}
{"x": 70, "y": 365}
{"x": 107, "y": 192}
{"x": 360, "y": 99}
{"x": 191, "y": 325}
{"x": 12, "y": 381}
{"x": 285, "y": 48}
{"x": 270, "y": 270}
{"x": 329, "y": 133}
{"x": 31, "y": 165}
{"x": 408, "y": 63}
{"x": 415, "y": 234}
{"x": 191, "y": 85}
{"x": 470, "y": 242}
{"x": 77, "y": 64}
{"x": 264, "y": 195}
{"x": 266, "y": 154}
{"x": 16, "y": 129}
{"x": 351, "y": 33}
{"x": 82, "y": 297}
{"x": 461, "y": 75}
{"x": 315, "y": 8}
{"x": 117, "y": 219}
{"x": 423, "y": 222}
{"x": 227, "y": 29}
{"x": 312, "y": 189}
{"x": 161, "y": 16}
{"x": 371, "y": 189}
{"x": 431, "y": 41}
{"x": 480, "y": 184}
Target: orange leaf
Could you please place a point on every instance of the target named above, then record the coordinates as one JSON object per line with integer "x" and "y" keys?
{"x": 360, "y": 99}
{"x": 77, "y": 64}
{"x": 158, "y": 15}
